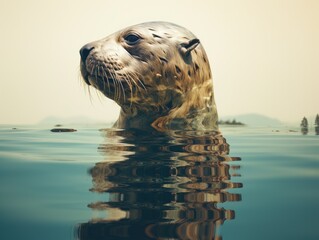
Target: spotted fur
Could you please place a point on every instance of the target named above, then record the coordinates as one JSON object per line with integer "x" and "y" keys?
{"x": 163, "y": 80}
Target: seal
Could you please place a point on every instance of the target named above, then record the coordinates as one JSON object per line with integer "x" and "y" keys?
{"x": 157, "y": 72}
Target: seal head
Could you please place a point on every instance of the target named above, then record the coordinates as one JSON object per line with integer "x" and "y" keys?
{"x": 157, "y": 72}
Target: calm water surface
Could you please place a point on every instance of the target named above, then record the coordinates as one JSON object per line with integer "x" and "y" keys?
{"x": 98, "y": 183}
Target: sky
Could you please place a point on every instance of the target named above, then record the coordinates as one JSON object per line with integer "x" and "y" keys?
{"x": 264, "y": 54}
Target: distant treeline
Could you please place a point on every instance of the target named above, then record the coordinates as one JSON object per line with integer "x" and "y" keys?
{"x": 304, "y": 122}
{"x": 229, "y": 122}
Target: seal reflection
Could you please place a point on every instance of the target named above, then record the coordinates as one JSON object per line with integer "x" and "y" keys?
{"x": 161, "y": 186}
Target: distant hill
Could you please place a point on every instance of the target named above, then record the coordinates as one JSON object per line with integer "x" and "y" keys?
{"x": 76, "y": 120}
{"x": 253, "y": 119}
{"x": 246, "y": 119}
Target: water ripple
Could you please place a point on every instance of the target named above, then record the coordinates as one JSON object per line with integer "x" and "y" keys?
{"x": 161, "y": 186}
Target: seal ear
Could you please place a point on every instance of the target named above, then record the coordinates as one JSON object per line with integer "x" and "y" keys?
{"x": 187, "y": 47}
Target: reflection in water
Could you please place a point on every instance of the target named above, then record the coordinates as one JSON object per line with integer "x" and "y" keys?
{"x": 304, "y": 131}
{"x": 161, "y": 186}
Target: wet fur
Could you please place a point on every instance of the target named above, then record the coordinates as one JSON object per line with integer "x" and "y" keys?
{"x": 158, "y": 82}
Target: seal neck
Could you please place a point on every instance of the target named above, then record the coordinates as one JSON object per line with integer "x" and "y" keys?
{"x": 195, "y": 110}
{"x": 136, "y": 119}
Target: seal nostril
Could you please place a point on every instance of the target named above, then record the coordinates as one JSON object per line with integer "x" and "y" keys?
{"x": 85, "y": 51}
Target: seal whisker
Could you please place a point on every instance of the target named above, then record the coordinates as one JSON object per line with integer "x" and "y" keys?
{"x": 120, "y": 84}
{"x": 99, "y": 95}
{"x": 81, "y": 79}
{"x": 98, "y": 71}
{"x": 90, "y": 95}
{"x": 118, "y": 88}
{"x": 105, "y": 78}
{"x": 135, "y": 77}
{"x": 129, "y": 82}
{"x": 132, "y": 80}
{"x": 116, "y": 83}
{"x": 138, "y": 79}
{"x": 143, "y": 86}
{"x": 115, "y": 93}
{"x": 86, "y": 86}
{"x": 139, "y": 88}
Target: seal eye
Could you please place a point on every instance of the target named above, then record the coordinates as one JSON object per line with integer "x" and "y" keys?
{"x": 132, "y": 39}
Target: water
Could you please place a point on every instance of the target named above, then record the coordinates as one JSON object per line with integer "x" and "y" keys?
{"x": 107, "y": 184}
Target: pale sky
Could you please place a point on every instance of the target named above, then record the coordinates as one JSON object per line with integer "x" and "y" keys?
{"x": 264, "y": 54}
